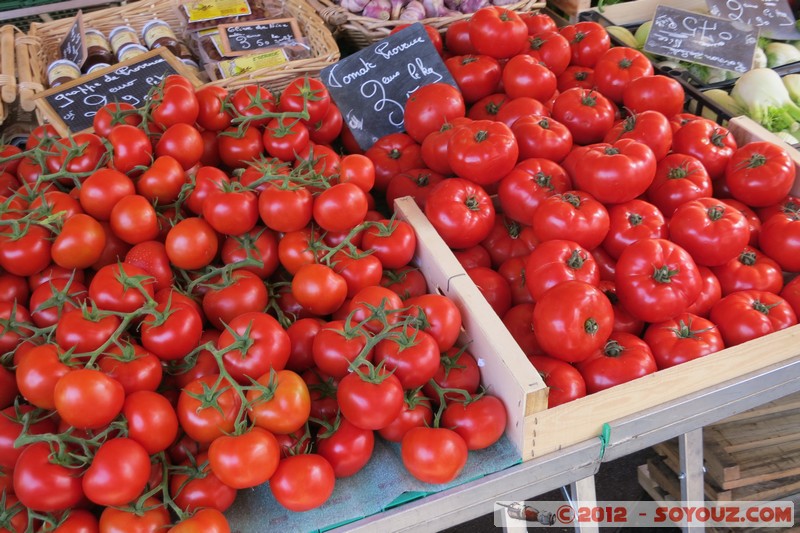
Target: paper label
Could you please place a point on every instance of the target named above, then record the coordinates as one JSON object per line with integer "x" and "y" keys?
{"x": 241, "y": 65}
{"x": 203, "y": 10}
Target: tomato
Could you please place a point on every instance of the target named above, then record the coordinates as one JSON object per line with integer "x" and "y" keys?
{"x": 509, "y": 239}
{"x": 710, "y": 293}
{"x": 524, "y": 75}
{"x": 88, "y": 399}
{"x": 433, "y": 455}
{"x": 431, "y": 106}
{"x": 393, "y": 154}
{"x": 85, "y": 333}
{"x": 791, "y": 293}
{"x": 632, "y": 221}
{"x": 474, "y": 256}
{"x": 656, "y": 280}
{"x": 549, "y": 47}
{"x": 711, "y": 231}
{"x": 488, "y": 108}
{"x": 252, "y": 102}
{"x": 237, "y": 149}
{"x": 433, "y": 34}
{"x": 341, "y": 207}
{"x": 513, "y": 271}
{"x": 573, "y": 215}
{"x": 523, "y": 189}
{"x": 118, "y": 473}
{"x": 8, "y": 151}
{"x": 416, "y": 183}
{"x": 191, "y": 244}
{"x": 657, "y": 93}
{"x": 572, "y": 320}
{"x": 497, "y": 32}
{"x": 746, "y": 315}
{"x": 134, "y": 367}
{"x": 564, "y": 381}
{"x": 37, "y": 373}
{"x": 346, "y": 447}
{"x": 328, "y": 128}
{"x": 477, "y": 76}
{"x": 588, "y": 42}
{"x": 252, "y": 344}
{"x": 14, "y": 325}
{"x": 308, "y": 95}
{"x": 260, "y": 244}
{"x": 539, "y": 136}
{"x": 284, "y": 138}
{"x": 208, "y": 520}
{"x": 152, "y": 421}
{"x": 121, "y": 287}
{"x": 12, "y": 421}
{"x": 520, "y": 107}
{"x": 130, "y": 147}
{"x": 173, "y": 328}
{"x": 442, "y": 318}
{"x": 42, "y": 485}
{"x": 648, "y": 127}
{"x": 319, "y": 289}
{"x": 27, "y": 253}
{"x": 613, "y": 173}
{"x": 416, "y": 412}
{"x": 461, "y": 212}
{"x": 303, "y": 482}
{"x": 457, "y": 40}
{"x": 713, "y": 145}
{"x": 231, "y": 212}
{"x": 286, "y": 408}
{"x": 211, "y": 111}
{"x": 586, "y": 113}
{"x": 175, "y": 104}
{"x": 202, "y": 420}
{"x": 683, "y": 338}
{"x": 134, "y": 220}
{"x": 555, "y": 261}
{"x": 101, "y": 191}
{"x": 196, "y": 486}
{"x": 78, "y": 154}
{"x": 245, "y": 460}
{"x": 482, "y": 151}
{"x": 412, "y": 355}
{"x": 151, "y": 257}
{"x": 624, "y": 358}
{"x": 154, "y": 518}
{"x": 760, "y": 173}
{"x": 617, "y": 67}
{"x": 679, "y": 178}
{"x": 480, "y": 422}
{"x": 575, "y": 76}
{"x": 370, "y": 404}
{"x": 780, "y": 239}
{"x": 407, "y": 282}
{"x": 113, "y": 114}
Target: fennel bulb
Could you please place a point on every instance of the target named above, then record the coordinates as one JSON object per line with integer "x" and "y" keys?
{"x": 761, "y": 92}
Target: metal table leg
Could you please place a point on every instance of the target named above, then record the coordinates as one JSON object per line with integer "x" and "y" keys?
{"x": 692, "y": 475}
{"x": 583, "y": 493}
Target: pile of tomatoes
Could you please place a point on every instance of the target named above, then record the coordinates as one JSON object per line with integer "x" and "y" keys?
{"x": 199, "y": 298}
{"x": 613, "y": 233}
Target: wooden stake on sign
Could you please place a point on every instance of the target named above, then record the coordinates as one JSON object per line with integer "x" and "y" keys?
{"x": 52, "y": 116}
{"x": 284, "y": 24}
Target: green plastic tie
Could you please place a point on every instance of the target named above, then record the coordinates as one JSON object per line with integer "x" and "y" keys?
{"x": 605, "y": 438}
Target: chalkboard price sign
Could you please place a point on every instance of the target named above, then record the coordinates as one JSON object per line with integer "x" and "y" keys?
{"x": 73, "y": 47}
{"x": 774, "y": 18}
{"x": 372, "y": 86}
{"x": 248, "y": 37}
{"x": 710, "y": 41}
{"x": 71, "y": 107}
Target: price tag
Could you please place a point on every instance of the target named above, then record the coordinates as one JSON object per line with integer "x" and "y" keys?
{"x": 71, "y": 107}
{"x": 248, "y": 37}
{"x": 372, "y": 86}
{"x": 73, "y": 47}
{"x": 773, "y": 18}
{"x": 710, "y": 41}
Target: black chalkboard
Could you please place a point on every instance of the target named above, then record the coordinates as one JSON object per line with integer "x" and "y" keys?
{"x": 74, "y": 104}
{"x": 248, "y": 37}
{"x": 697, "y": 38}
{"x": 372, "y": 85}
{"x": 773, "y": 18}
{"x": 73, "y": 47}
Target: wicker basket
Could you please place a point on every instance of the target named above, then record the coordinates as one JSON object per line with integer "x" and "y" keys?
{"x": 46, "y": 37}
{"x": 363, "y": 31}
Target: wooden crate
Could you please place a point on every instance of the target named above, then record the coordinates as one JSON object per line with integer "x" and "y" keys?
{"x": 570, "y": 9}
{"x": 537, "y": 430}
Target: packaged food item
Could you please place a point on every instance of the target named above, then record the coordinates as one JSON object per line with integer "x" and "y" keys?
{"x": 61, "y": 71}
{"x": 202, "y": 14}
{"x": 130, "y": 51}
{"x": 98, "y": 49}
{"x": 158, "y": 33}
{"x": 244, "y": 64}
{"x": 120, "y": 36}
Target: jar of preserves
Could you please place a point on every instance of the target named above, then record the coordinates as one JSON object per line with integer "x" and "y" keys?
{"x": 120, "y": 36}
{"x": 130, "y": 51}
{"x": 61, "y": 71}
{"x": 98, "y": 49}
{"x": 157, "y": 34}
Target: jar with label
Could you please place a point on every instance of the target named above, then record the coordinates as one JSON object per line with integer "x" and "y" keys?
{"x": 122, "y": 35}
{"x": 129, "y": 51}
{"x": 98, "y": 49}
{"x": 157, "y": 33}
{"x": 61, "y": 71}
{"x": 97, "y": 66}
{"x": 192, "y": 64}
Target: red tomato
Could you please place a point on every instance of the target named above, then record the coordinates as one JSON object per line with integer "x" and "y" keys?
{"x": 306, "y": 95}
{"x": 679, "y": 178}
{"x": 182, "y": 142}
{"x": 617, "y": 67}
{"x": 564, "y": 380}
{"x": 286, "y": 409}
{"x": 101, "y": 191}
{"x": 488, "y": 108}
{"x": 630, "y": 222}
{"x": 135, "y": 368}
{"x": 658, "y": 93}
{"x": 346, "y": 447}
{"x": 238, "y": 149}
{"x": 433, "y": 455}
{"x": 211, "y": 101}
{"x": 656, "y": 280}
{"x": 513, "y": 271}
{"x": 407, "y": 282}
{"x": 431, "y": 106}
{"x": 133, "y": 219}
{"x": 173, "y": 328}
{"x": 648, "y": 127}
{"x": 524, "y": 75}
{"x": 576, "y": 76}
{"x": 231, "y": 212}
{"x": 88, "y": 399}
{"x": 196, "y": 486}
{"x": 37, "y": 373}
{"x": 154, "y": 518}
{"x": 613, "y": 173}
{"x": 760, "y": 174}
{"x": 480, "y": 422}
{"x": 791, "y": 293}
{"x": 27, "y": 253}
{"x": 252, "y": 344}
{"x": 412, "y": 355}
{"x": 588, "y": 41}
{"x": 713, "y": 145}
{"x": 372, "y": 401}
{"x": 555, "y": 261}
{"x": 457, "y": 40}
{"x": 341, "y": 207}
{"x": 131, "y": 148}
{"x": 204, "y": 422}
{"x": 175, "y": 104}
{"x": 416, "y": 412}
{"x": 118, "y": 473}
{"x": 624, "y": 358}
{"x": 517, "y": 108}
{"x": 319, "y": 289}
{"x": 683, "y": 338}
{"x": 497, "y": 32}
{"x": 42, "y": 485}
{"x": 303, "y": 482}
{"x": 710, "y": 293}
{"x": 549, "y": 47}
{"x": 539, "y": 136}
{"x": 191, "y": 244}
{"x": 152, "y": 421}
{"x": 780, "y": 239}
{"x": 586, "y": 113}
{"x": 477, "y": 76}
{"x": 523, "y": 189}
{"x": 208, "y": 520}
{"x": 573, "y": 215}
{"x": 509, "y": 239}
{"x": 442, "y": 318}
{"x": 393, "y": 154}
{"x": 245, "y": 460}
{"x": 711, "y": 231}
{"x": 163, "y": 181}
{"x": 252, "y": 102}
{"x": 746, "y": 315}
{"x": 433, "y": 34}
{"x": 461, "y": 212}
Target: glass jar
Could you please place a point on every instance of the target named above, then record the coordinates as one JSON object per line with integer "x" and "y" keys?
{"x": 61, "y": 71}
{"x": 130, "y": 51}
{"x": 157, "y": 34}
{"x": 122, "y": 35}
{"x": 98, "y": 49}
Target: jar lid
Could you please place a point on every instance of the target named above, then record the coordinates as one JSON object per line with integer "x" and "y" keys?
{"x": 120, "y": 29}
{"x": 97, "y": 66}
{"x": 63, "y": 62}
{"x": 95, "y": 32}
{"x": 128, "y": 46}
{"x": 191, "y": 62}
{"x": 155, "y": 22}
